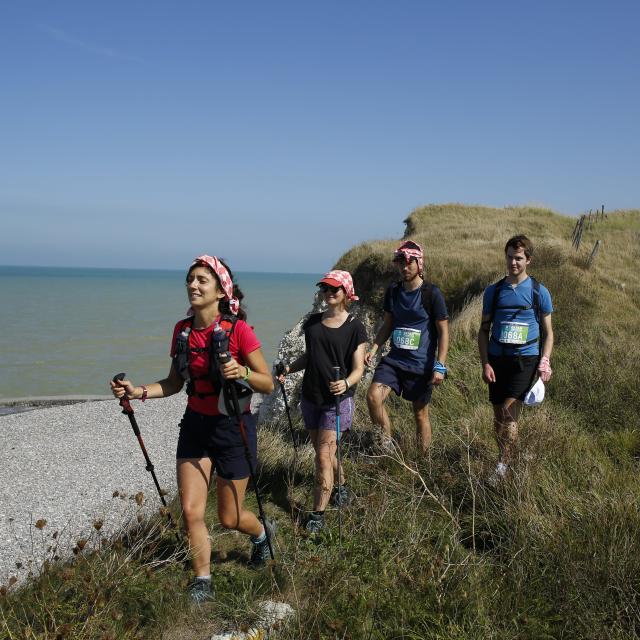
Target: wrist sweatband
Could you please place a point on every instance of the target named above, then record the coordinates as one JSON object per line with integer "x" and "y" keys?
{"x": 247, "y": 374}
{"x": 438, "y": 367}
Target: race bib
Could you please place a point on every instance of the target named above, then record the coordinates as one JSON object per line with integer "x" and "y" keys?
{"x": 513, "y": 332}
{"x": 404, "y": 338}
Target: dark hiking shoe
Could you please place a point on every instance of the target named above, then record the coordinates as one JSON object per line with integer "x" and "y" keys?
{"x": 200, "y": 591}
{"x": 260, "y": 550}
{"x": 342, "y": 496}
{"x": 315, "y": 524}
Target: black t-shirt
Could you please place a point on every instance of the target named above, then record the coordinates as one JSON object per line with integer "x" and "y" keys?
{"x": 328, "y": 348}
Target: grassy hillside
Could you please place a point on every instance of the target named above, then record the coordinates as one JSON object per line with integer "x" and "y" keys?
{"x": 430, "y": 548}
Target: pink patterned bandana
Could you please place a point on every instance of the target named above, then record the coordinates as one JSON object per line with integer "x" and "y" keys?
{"x": 408, "y": 250}
{"x": 223, "y": 276}
{"x": 340, "y": 279}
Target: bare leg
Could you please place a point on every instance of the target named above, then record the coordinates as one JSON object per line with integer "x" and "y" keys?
{"x": 324, "y": 443}
{"x": 423, "y": 425}
{"x": 505, "y": 420}
{"x": 194, "y": 478}
{"x": 376, "y": 397}
{"x": 231, "y": 511}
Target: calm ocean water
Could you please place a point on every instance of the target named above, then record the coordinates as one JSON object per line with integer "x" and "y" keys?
{"x": 67, "y": 331}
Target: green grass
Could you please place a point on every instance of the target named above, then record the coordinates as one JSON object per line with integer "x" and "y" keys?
{"x": 430, "y": 548}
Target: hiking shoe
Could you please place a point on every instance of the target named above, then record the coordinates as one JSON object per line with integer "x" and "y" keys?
{"x": 315, "y": 524}
{"x": 200, "y": 591}
{"x": 342, "y": 496}
{"x": 499, "y": 474}
{"x": 260, "y": 550}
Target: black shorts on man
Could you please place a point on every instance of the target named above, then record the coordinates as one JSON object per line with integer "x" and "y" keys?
{"x": 515, "y": 375}
{"x": 415, "y": 387}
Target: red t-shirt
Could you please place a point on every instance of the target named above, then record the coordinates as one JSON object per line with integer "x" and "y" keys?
{"x": 242, "y": 342}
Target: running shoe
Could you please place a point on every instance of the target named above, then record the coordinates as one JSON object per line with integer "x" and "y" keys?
{"x": 342, "y": 496}
{"x": 315, "y": 524}
{"x": 200, "y": 591}
{"x": 260, "y": 550}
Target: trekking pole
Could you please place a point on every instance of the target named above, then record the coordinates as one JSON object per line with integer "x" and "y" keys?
{"x": 279, "y": 371}
{"x": 336, "y": 377}
{"x": 127, "y": 409}
{"x": 231, "y": 399}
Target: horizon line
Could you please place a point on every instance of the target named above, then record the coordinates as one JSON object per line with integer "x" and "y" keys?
{"x": 38, "y": 266}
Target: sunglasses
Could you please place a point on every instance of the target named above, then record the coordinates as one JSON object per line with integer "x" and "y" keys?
{"x": 327, "y": 287}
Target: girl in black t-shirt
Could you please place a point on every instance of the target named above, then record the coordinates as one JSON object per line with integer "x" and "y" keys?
{"x": 333, "y": 338}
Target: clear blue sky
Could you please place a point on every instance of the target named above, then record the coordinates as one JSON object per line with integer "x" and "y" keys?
{"x": 279, "y": 134}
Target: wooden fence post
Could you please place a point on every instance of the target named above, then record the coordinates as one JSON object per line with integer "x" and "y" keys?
{"x": 594, "y": 253}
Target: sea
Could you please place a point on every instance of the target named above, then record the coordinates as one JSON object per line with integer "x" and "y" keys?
{"x": 68, "y": 331}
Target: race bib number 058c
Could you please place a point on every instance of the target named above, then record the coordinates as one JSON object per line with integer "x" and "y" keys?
{"x": 404, "y": 338}
{"x": 513, "y": 332}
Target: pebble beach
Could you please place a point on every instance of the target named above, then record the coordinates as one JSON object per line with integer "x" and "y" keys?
{"x": 63, "y": 464}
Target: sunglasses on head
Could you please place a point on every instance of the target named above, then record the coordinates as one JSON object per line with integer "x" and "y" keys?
{"x": 327, "y": 287}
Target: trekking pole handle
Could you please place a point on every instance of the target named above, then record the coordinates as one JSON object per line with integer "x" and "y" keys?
{"x": 280, "y": 368}
{"x": 124, "y": 401}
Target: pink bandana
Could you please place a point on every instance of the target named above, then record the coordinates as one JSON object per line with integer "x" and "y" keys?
{"x": 408, "y": 250}
{"x": 341, "y": 279}
{"x": 223, "y": 276}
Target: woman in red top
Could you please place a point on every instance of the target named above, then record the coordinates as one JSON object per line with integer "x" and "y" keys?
{"x": 209, "y": 439}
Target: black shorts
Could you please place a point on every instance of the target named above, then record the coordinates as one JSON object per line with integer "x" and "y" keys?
{"x": 515, "y": 375}
{"x": 415, "y": 387}
{"x": 218, "y": 438}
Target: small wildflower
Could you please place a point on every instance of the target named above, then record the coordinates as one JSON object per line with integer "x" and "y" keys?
{"x": 12, "y": 581}
{"x": 67, "y": 573}
{"x": 41, "y": 524}
{"x": 163, "y": 511}
{"x": 3, "y": 591}
{"x": 81, "y": 543}
{"x": 115, "y": 494}
{"x": 18, "y": 565}
{"x": 97, "y": 524}
{"x": 139, "y": 498}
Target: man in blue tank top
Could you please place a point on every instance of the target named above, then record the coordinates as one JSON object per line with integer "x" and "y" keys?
{"x": 515, "y": 342}
{"x": 416, "y": 319}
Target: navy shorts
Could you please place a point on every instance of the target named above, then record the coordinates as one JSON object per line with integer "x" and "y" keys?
{"x": 324, "y": 416}
{"x": 218, "y": 438}
{"x": 515, "y": 375}
{"x": 415, "y": 387}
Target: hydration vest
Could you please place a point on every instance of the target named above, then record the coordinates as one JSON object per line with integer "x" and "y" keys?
{"x": 182, "y": 357}
{"x": 535, "y": 286}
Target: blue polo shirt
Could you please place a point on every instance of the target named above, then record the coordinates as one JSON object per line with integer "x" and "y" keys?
{"x": 510, "y": 321}
{"x": 413, "y": 347}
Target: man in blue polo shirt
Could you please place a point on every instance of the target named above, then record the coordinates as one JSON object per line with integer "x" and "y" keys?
{"x": 515, "y": 342}
{"x": 416, "y": 319}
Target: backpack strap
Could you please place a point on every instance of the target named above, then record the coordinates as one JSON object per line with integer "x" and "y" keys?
{"x": 427, "y": 299}
{"x": 494, "y": 300}
{"x": 535, "y": 305}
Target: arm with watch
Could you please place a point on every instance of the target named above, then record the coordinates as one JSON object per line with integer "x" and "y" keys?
{"x": 439, "y": 369}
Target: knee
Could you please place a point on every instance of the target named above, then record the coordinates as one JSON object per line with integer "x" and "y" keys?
{"x": 228, "y": 520}
{"x": 324, "y": 459}
{"x": 374, "y": 400}
{"x": 192, "y": 513}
